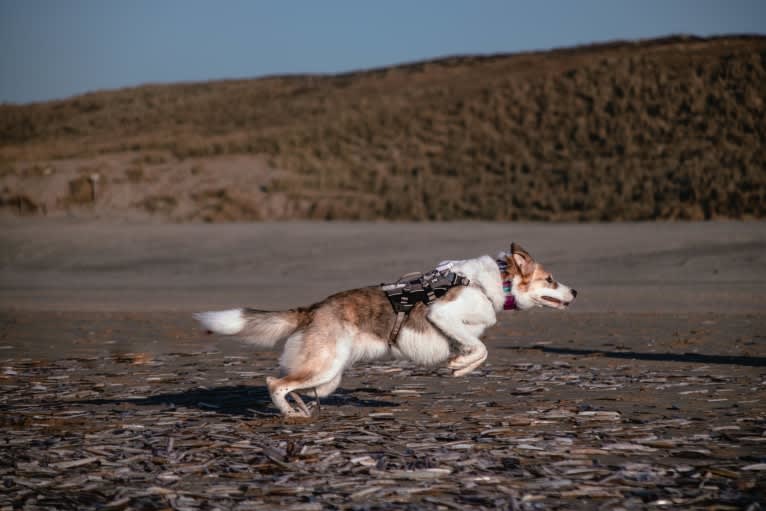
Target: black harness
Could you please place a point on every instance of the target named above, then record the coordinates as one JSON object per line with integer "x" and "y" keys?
{"x": 414, "y": 288}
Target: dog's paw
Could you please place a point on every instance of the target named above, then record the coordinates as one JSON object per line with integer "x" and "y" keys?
{"x": 464, "y": 364}
{"x": 296, "y": 413}
{"x": 462, "y": 372}
{"x": 458, "y": 362}
{"x": 467, "y": 358}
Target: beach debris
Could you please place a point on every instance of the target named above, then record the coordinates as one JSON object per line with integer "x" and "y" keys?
{"x": 197, "y": 430}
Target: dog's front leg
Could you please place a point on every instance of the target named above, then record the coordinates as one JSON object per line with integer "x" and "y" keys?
{"x": 464, "y": 364}
{"x": 463, "y": 320}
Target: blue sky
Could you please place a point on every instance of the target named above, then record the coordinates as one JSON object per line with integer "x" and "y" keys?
{"x": 57, "y": 48}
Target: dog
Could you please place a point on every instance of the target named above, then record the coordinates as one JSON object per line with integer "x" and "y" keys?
{"x": 322, "y": 340}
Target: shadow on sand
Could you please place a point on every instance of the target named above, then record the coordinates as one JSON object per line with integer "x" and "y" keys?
{"x": 692, "y": 358}
{"x": 242, "y": 400}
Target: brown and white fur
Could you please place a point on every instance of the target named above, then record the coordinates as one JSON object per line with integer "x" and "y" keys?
{"x": 322, "y": 340}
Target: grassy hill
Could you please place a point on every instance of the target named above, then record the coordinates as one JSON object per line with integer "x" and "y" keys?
{"x": 662, "y": 129}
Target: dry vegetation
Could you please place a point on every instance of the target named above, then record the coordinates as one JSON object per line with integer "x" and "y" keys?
{"x": 664, "y": 129}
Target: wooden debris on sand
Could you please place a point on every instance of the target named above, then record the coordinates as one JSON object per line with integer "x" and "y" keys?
{"x": 198, "y": 431}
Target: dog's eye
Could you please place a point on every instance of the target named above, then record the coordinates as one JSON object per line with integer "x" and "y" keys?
{"x": 549, "y": 280}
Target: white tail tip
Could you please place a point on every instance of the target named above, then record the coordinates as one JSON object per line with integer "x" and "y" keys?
{"x": 228, "y": 322}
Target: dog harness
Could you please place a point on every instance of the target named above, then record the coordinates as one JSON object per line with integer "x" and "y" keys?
{"x": 414, "y": 288}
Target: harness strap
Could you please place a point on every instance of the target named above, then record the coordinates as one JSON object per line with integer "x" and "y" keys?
{"x": 414, "y": 288}
{"x": 400, "y": 317}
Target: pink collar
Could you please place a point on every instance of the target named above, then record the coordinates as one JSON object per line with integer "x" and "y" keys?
{"x": 510, "y": 301}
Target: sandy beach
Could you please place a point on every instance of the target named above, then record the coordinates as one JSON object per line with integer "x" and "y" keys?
{"x": 622, "y": 267}
{"x": 648, "y": 392}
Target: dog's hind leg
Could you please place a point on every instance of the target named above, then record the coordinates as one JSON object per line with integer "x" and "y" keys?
{"x": 328, "y": 388}
{"x": 322, "y": 390}
{"x": 299, "y": 403}
{"x": 318, "y": 365}
{"x": 278, "y": 389}
{"x": 281, "y": 387}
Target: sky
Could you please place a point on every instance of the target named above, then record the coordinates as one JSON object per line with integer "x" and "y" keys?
{"x": 51, "y": 49}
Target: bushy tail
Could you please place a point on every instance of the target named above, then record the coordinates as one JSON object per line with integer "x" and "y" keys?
{"x": 262, "y": 328}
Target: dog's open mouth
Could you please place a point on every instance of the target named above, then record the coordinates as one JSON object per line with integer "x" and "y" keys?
{"x": 555, "y": 301}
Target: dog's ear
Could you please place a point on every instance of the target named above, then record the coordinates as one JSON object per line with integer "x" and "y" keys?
{"x": 521, "y": 259}
{"x": 518, "y": 249}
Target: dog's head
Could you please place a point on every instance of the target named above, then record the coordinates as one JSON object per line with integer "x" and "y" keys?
{"x": 531, "y": 285}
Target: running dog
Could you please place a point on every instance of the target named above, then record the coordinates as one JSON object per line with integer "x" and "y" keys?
{"x": 322, "y": 340}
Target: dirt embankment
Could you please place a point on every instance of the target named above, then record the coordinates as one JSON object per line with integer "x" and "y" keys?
{"x": 663, "y": 129}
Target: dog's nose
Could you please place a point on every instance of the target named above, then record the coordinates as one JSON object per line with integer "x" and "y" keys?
{"x": 574, "y": 293}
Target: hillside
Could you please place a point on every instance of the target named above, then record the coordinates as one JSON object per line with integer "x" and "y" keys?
{"x": 664, "y": 129}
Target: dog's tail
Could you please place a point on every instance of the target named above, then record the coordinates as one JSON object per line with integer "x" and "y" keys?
{"x": 262, "y": 328}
